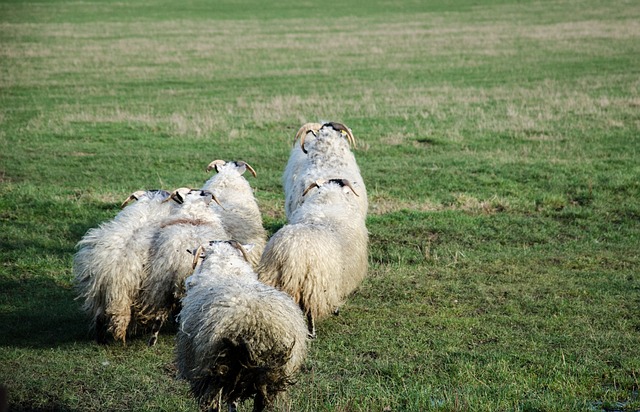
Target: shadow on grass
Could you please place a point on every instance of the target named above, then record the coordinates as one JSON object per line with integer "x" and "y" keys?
{"x": 52, "y": 407}
{"x": 39, "y": 313}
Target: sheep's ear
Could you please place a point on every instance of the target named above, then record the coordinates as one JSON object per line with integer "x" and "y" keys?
{"x": 244, "y": 166}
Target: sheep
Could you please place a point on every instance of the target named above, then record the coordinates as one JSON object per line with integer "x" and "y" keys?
{"x": 237, "y": 338}
{"x": 298, "y": 158}
{"x": 327, "y": 156}
{"x": 320, "y": 256}
{"x": 108, "y": 265}
{"x": 241, "y": 217}
{"x": 192, "y": 221}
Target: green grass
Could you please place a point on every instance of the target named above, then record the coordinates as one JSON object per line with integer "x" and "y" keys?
{"x": 499, "y": 142}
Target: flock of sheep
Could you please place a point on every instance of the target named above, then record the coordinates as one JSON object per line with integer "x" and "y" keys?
{"x": 245, "y": 307}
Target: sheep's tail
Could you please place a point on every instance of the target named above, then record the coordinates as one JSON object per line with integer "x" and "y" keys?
{"x": 240, "y": 374}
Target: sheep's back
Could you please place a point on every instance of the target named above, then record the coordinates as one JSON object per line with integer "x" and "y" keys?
{"x": 170, "y": 264}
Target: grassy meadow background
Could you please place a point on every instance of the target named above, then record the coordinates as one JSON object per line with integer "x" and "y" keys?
{"x": 500, "y": 142}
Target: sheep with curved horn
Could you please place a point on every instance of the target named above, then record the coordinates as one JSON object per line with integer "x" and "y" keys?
{"x": 194, "y": 219}
{"x": 109, "y": 264}
{"x": 320, "y": 256}
{"x": 241, "y": 217}
{"x": 324, "y": 153}
{"x": 238, "y": 338}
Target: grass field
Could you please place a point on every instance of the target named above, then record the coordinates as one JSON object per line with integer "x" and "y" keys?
{"x": 500, "y": 143}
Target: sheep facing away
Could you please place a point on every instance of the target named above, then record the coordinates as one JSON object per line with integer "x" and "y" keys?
{"x": 109, "y": 263}
{"x": 323, "y": 153}
{"x": 194, "y": 219}
{"x": 320, "y": 256}
{"x": 238, "y": 338}
{"x": 241, "y": 216}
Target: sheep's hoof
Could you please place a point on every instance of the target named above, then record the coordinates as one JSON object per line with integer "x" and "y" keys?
{"x": 311, "y": 335}
{"x": 336, "y": 311}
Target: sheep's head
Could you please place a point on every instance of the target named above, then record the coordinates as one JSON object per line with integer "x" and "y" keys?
{"x": 141, "y": 193}
{"x": 239, "y": 164}
{"x": 302, "y": 133}
{"x": 321, "y": 182}
{"x": 201, "y": 252}
{"x": 182, "y": 194}
{"x": 343, "y": 130}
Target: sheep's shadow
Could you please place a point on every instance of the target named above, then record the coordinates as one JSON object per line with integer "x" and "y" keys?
{"x": 43, "y": 314}
{"x": 39, "y": 313}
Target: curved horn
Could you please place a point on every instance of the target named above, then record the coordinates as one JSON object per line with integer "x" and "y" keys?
{"x": 215, "y": 164}
{"x": 345, "y": 130}
{"x": 199, "y": 253}
{"x": 215, "y": 199}
{"x": 238, "y": 246}
{"x": 317, "y": 183}
{"x": 345, "y": 182}
{"x": 248, "y": 166}
{"x": 134, "y": 196}
{"x": 302, "y": 133}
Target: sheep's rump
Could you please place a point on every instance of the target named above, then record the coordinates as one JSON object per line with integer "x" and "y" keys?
{"x": 240, "y": 340}
{"x": 108, "y": 275}
{"x": 306, "y": 262}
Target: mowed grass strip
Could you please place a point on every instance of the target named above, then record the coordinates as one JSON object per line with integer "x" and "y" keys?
{"x": 499, "y": 143}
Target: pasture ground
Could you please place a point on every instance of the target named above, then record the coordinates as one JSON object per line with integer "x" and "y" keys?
{"x": 499, "y": 141}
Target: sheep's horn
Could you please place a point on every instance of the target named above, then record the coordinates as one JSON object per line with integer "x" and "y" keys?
{"x": 134, "y": 196}
{"x": 248, "y": 166}
{"x": 215, "y": 164}
{"x": 302, "y": 133}
{"x": 345, "y": 130}
{"x": 215, "y": 199}
{"x": 317, "y": 183}
{"x": 196, "y": 256}
{"x": 345, "y": 182}
{"x": 238, "y": 246}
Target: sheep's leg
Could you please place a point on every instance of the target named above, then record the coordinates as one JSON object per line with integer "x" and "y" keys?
{"x": 336, "y": 311}
{"x": 101, "y": 329}
{"x": 155, "y": 330}
{"x": 216, "y": 401}
{"x": 260, "y": 400}
{"x": 311, "y": 325}
{"x": 233, "y": 407}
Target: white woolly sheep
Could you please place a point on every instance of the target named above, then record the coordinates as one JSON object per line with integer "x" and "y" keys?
{"x": 238, "y": 338}
{"x": 193, "y": 221}
{"x": 328, "y": 156}
{"x": 108, "y": 265}
{"x": 241, "y": 217}
{"x": 298, "y": 158}
{"x": 320, "y": 256}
